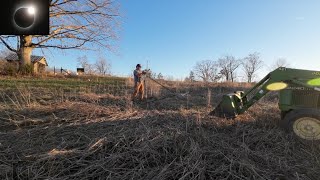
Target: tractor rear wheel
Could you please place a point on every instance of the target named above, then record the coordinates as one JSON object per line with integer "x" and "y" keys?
{"x": 304, "y": 124}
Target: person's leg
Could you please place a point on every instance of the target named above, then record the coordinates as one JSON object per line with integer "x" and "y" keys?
{"x": 142, "y": 91}
{"x": 136, "y": 90}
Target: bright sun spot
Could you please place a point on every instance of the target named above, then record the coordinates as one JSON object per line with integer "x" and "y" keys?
{"x": 31, "y": 10}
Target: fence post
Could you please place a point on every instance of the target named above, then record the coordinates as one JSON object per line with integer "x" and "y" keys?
{"x": 209, "y": 98}
{"x": 145, "y": 89}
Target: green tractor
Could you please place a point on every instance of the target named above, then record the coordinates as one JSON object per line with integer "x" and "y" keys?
{"x": 299, "y": 101}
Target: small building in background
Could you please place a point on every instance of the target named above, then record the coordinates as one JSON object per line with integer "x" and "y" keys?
{"x": 39, "y": 62}
{"x": 80, "y": 71}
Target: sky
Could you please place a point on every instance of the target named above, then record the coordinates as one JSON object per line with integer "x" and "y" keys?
{"x": 170, "y": 36}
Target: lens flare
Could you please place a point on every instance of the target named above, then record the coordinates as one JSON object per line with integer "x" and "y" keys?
{"x": 314, "y": 82}
{"x": 277, "y": 86}
{"x": 31, "y": 10}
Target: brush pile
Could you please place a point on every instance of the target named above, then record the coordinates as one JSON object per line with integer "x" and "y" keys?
{"x": 88, "y": 138}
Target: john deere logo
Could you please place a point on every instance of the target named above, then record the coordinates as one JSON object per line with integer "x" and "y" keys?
{"x": 296, "y": 88}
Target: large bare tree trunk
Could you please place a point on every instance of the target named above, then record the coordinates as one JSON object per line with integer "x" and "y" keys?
{"x": 25, "y": 50}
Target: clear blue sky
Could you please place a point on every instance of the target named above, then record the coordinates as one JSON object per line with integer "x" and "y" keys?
{"x": 174, "y": 34}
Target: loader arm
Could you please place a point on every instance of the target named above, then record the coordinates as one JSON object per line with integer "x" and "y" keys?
{"x": 281, "y": 78}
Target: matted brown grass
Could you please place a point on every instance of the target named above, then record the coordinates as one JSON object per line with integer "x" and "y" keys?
{"x": 92, "y": 136}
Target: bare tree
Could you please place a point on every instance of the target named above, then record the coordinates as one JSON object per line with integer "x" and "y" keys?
{"x": 3, "y": 63}
{"x": 91, "y": 69}
{"x": 84, "y": 63}
{"x": 152, "y": 74}
{"x": 207, "y": 70}
{"x": 251, "y": 64}
{"x": 281, "y": 62}
{"x": 160, "y": 76}
{"x": 191, "y": 76}
{"x": 229, "y": 65}
{"x": 74, "y": 24}
{"x": 4, "y": 53}
{"x": 102, "y": 66}
{"x": 169, "y": 78}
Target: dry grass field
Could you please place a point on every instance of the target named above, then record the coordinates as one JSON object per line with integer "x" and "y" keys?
{"x": 92, "y": 131}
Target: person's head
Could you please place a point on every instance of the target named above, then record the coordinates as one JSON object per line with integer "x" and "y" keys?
{"x": 138, "y": 66}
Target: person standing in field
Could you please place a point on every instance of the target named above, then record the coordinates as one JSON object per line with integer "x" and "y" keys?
{"x": 138, "y": 82}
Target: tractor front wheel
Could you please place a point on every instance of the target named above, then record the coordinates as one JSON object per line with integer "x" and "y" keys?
{"x": 304, "y": 124}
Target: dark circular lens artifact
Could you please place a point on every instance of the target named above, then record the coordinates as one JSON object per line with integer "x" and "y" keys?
{"x": 23, "y": 17}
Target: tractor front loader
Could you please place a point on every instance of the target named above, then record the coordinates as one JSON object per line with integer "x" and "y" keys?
{"x": 299, "y": 101}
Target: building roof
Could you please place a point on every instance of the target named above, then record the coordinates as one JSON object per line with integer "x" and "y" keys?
{"x": 34, "y": 59}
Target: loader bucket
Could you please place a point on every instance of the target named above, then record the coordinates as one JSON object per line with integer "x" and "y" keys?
{"x": 228, "y": 107}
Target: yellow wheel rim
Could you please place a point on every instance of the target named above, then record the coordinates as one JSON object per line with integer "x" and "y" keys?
{"x": 307, "y": 128}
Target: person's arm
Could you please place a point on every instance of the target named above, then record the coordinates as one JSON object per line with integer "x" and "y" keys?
{"x": 137, "y": 73}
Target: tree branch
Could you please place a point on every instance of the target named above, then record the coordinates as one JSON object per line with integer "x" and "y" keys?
{"x": 7, "y": 45}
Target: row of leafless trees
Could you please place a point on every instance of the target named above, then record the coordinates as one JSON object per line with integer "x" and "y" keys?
{"x": 101, "y": 66}
{"x": 227, "y": 68}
